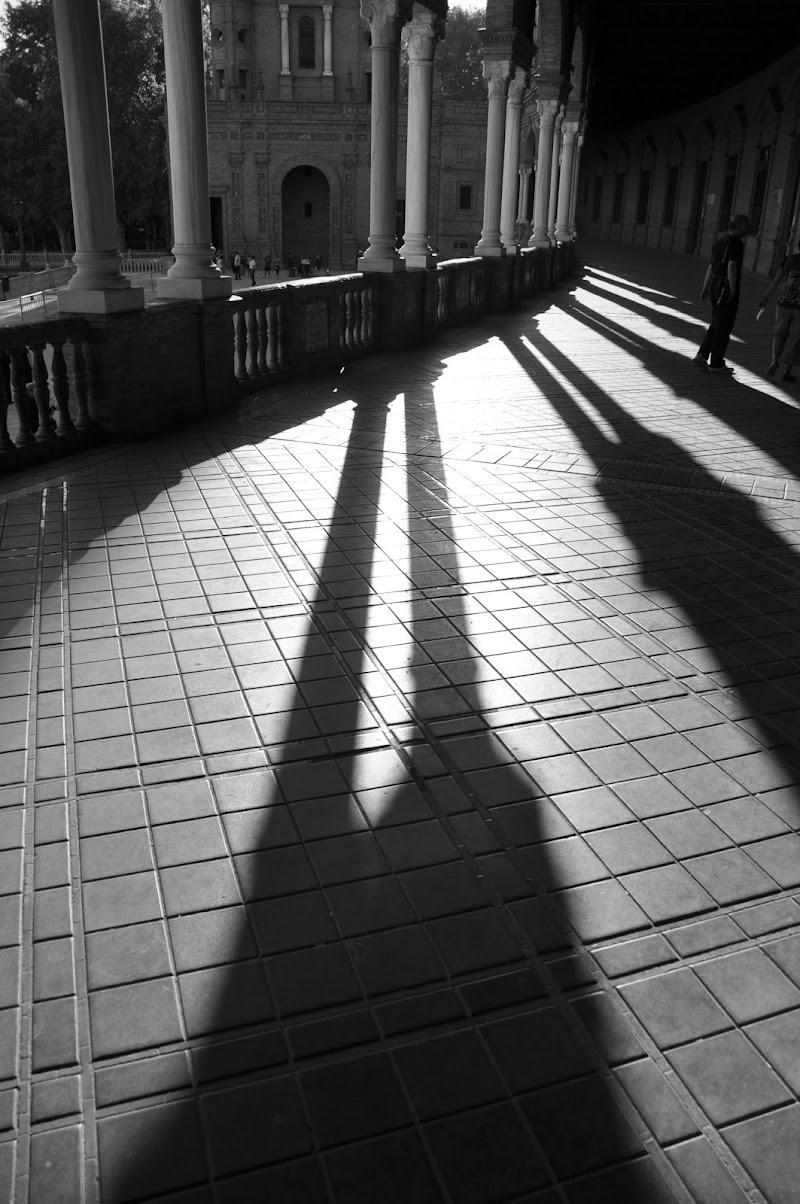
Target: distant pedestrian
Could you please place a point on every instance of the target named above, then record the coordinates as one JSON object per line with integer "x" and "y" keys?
{"x": 317, "y": 263}
{"x": 237, "y": 266}
{"x": 251, "y": 267}
{"x": 786, "y": 332}
{"x": 721, "y": 286}
{"x": 305, "y": 266}
{"x": 277, "y": 266}
{"x": 267, "y": 265}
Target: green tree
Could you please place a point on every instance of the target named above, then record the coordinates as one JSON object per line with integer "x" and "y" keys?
{"x": 458, "y": 56}
{"x": 32, "y": 124}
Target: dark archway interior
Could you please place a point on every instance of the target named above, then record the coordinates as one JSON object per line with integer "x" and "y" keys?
{"x": 305, "y": 206}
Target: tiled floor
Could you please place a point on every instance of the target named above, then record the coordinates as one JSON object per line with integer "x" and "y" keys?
{"x": 400, "y": 788}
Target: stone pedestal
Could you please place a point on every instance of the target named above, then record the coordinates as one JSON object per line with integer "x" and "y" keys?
{"x": 98, "y": 285}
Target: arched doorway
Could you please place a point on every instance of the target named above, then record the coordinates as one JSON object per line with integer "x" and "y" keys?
{"x": 306, "y": 214}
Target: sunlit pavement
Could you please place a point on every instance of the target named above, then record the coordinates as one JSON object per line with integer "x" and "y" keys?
{"x": 400, "y": 785}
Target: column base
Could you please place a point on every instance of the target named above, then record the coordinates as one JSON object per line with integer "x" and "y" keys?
{"x": 99, "y": 300}
{"x": 563, "y": 235}
{"x": 285, "y": 87}
{"x": 511, "y": 248}
{"x": 489, "y": 252}
{"x": 539, "y": 240}
{"x": 198, "y": 288}
{"x": 418, "y": 259}
{"x": 382, "y": 264}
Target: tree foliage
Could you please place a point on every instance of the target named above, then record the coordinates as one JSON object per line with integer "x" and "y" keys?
{"x": 458, "y": 56}
{"x": 35, "y": 180}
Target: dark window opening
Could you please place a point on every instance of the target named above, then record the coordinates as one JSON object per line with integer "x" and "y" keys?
{"x": 597, "y": 199}
{"x": 368, "y": 86}
{"x": 221, "y": 83}
{"x": 242, "y": 36}
{"x": 306, "y": 43}
{"x": 728, "y": 190}
{"x": 242, "y": 84}
{"x": 619, "y": 197}
{"x": 643, "y": 200}
{"x": 307, "y": 208}
{"x": 307, "y": 172}
{"x": 760, "y": 186}
{"x": 465, "y": 196}
{"x": 670, "y": 195}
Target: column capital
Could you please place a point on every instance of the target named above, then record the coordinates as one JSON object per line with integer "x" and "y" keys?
{"x": 517, "y": 86}
{"x": 496, "y": 73}
{"x": 525, "y": 170}
{"x": 283, "y": 9}
{"x": 327, "y": 11}
{"x": 546, "y": 109}
{"x": 569, "y": 130}
{"x": 384, "y": 22}
{"x": 425, "y": 30}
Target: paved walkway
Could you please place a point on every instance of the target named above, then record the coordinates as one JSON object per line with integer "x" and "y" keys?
{"x": 400, "y": 783}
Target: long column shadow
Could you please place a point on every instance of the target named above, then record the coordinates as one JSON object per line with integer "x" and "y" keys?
{"x": 745, "y": 608}
{"x": 764, "y": 421}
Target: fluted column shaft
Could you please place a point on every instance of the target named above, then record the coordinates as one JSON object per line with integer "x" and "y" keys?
{"x": 98, "y": 285}
{"x": 327, "y": 40}
{"x": 524, "y": 193}
{"x": 384, "y": 24}
{"x": 283, "y": 9}
{"x": 508, "y": 200}
{"x": 424, "y": 33}
{"x": 496, "y": 75}
{"x": 552, "y": 200}
{"x": 193, "y": 274}
{"x": 569, "y": 133}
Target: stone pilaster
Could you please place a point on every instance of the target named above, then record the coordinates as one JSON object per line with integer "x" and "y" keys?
{"x": 555, "y": 160}
{"x": 496, "y": 74}
{"x": 384, "y": 25}
{"x": 98, "y": 285}
{"x": 425, "y": 30}
{"x": 193, "y": 275}
{"x": 285, "y": 77}
{"x": 508, "y": 202}
{"x": 547, "y": 107}
{"x": 327, "y": 39}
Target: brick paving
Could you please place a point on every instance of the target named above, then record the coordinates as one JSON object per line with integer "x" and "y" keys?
{"x": 400, "y": 786}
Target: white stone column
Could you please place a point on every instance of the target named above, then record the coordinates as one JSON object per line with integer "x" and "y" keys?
{"x": 524, "y": 193}
{"x": 193, "y": 275}
{"x": 573, "y": 203}
{"x": 98, "y": 285}
{"x": 569, "y": 132}
{"x": 496, "y": 74}
{"x": 508, "y": 200}
{"x": 283, "y": 9}
{"x": 425, "y": 29}
{"x": 327, "y": 40}
{"x": 555, "y": 159}
{"x": 547, "y": 107}
{"x": 384, "y": 24}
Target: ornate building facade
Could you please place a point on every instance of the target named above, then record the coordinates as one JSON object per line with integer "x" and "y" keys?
{"x": 289, "y": 138}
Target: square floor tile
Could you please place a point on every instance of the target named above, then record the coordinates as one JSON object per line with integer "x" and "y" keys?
{"x": 769, "y": 1148}
{"x": 140, "y": 1015}
{"x": 361, "y": 1172}
{"x": 675, "y": 1007}
{"x": 748, "y": 985}
{"x": 312, "y": 979}
{"x": 356, "y": 1098}
{"x": 728, "y": 1078}
{"x": 730, "y": 876}
{"x": 256, "y": 1123}
{"x": 580, "y": 1126}
{"x": 536, "y": 1049}
{"x": 485, "y": 1155}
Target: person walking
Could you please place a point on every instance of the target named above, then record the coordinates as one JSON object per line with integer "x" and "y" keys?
{"x": 237, "y": 266}
{"x": 277, "y": 266}
{"x": 786, "y": 331}
{"x": 721, "y": 286}
{"x": 267, "y": 265}
{"x": 251, "y": 267}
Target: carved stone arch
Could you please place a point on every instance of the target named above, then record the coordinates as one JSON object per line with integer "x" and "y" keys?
{"x": 703, "y": 138}
{"x": 577, "y": 62}
{"x": 335, "y": 193}
{"x": 527, "y": 155}
{"x": 646, "y": 153}
{"x": 622, "y": 158}
{"x": 733, "y": 131}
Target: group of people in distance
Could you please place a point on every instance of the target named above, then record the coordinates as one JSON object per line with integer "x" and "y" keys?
{"x": 721, "y": 287}
{"x": 242, "y": 262}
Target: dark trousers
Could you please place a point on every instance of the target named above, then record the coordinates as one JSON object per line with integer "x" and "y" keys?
{"x": 716, "y": 339}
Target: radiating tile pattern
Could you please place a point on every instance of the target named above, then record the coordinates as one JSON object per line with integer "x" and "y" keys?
{"x": 399, "y": 794}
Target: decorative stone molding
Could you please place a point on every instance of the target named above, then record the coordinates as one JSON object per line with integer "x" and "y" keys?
{"x": 425, "y": 30}
{"x": 385, "y": 22}
{"x": 496, "y": 73}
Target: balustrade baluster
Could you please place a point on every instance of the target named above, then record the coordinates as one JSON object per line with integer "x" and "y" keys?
{"x": 273, "y": 362}
{"x": 351, "y": 320}
{"x": 239, "y": 345}
{"x": 60, "y": 386}
{"x": 358, "y": 299}
{"x": 80, "y": 385}
{"x": 19, "y": 393}
{"x": 252, "y": 342}
{"x": 370, "y": 302}
{"x": 283, "y": 339}
{"x": 343, "y": 321}
{"x": 41, "y": 391}
{"x": 365, "y": 299}
{"x": 6, "y": 443}
{"x": 263, "y": 338}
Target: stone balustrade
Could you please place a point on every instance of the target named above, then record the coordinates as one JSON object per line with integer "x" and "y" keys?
{"x": 45, "y": 387}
